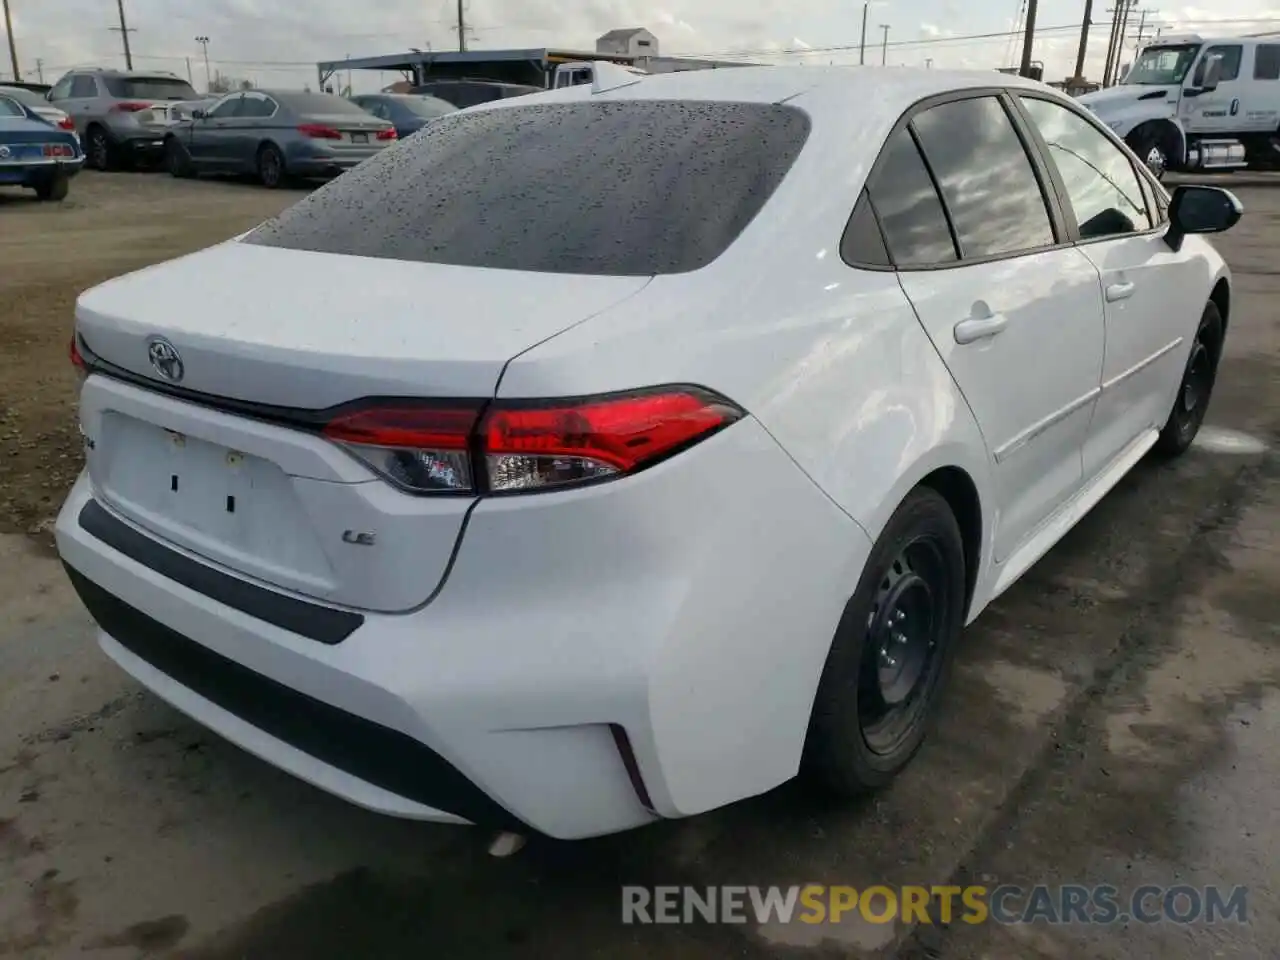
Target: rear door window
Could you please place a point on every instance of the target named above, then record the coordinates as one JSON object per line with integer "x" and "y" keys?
{"x": 911, "y": 214}
{"x": 666, "y": 187}
{"x": 985, "y": 176}
{"x": 1266, "y": 64}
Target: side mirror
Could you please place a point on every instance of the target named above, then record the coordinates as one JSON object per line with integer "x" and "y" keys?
{"x": 1201, "y": 210}
{"x": 1212, "y": 74}
{"x": 199, "y": 114}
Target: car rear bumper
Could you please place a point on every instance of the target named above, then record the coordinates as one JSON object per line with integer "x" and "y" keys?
{"x": 313, "y": 159}
{"x": 29, "y": 173}
{"x": 597, "y": 658}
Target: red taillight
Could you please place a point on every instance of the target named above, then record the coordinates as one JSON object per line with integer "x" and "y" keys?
{"x": 66, "y": 123}
{"x": 389, "y": 134}
{"x": 58, "y": 150}
{"x": 77, "y": 358}
{"x": 422, "y": 449}
{"x": 525, "y": 445}
{"x": 530, "y": 447}
{"x": 129, "y": 107}
{"x": 318, "y": 131}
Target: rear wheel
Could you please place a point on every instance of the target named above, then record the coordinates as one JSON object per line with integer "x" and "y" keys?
{"x": 271, "y": 169}
{"x": 892, "y": 651}
{"x": 1196, "y": 388}
{"x": 100, "y": 153}
{"x": 54, "y": 189}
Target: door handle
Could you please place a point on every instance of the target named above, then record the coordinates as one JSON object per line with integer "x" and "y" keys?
{"x": 980, "y": 328}
{"x": 1119, "y": 291}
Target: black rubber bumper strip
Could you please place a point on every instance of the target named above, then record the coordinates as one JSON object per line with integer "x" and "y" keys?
{"x": 310, "y": 620}
{"x": 360, "y": 747}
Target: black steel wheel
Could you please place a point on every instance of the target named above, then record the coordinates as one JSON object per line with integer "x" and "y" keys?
{"x": 892, "y": 651}
{"x": 1196, "y": 388}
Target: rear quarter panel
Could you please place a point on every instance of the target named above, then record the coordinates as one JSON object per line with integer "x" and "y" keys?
{"x": 830, "y": 359}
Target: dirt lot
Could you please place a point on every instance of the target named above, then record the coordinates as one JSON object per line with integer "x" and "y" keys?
{"x": 50, "y": 253}
{"x": 1112, "y": 719}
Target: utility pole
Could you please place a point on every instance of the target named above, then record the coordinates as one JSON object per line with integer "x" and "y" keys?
{"x": 204, "y": 45}
{"x": 862, "y": 48}
{"x": 1111, "y": 42}
{"x": 462, "y": 28}
{"x": 928, "y": 63}
{"x": 1027, "y": 39}
{"x": 40, "y": 69}
{"x": 1084, "y": 39}
{"x": 884, "y": 45}
{"x": 13, "y": 46}
{"x": 1124, "y": 28}
{"x": 125, "y": 30}
{"x": 190, "y": 79}
{"x": 1142, "y": 33}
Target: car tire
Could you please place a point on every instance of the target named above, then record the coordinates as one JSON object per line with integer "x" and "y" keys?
{"x": 176, "y": 160}
{"x": 892, "y": 652}
{"x": 100, "y": 153}
{"x": 54, "y": 189}
{"x": 271, "y": 168}
{"x": 1196, "y": 387}
{"x": 1151, "y": 148}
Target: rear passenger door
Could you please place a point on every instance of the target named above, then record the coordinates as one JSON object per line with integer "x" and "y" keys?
{"x": 1150, "y": 301}
{"x": 1014, "y": 313}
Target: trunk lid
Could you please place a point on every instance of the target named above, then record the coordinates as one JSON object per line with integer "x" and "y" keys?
{"x": 280, "y": 328}
{"x": 311, "y": 330}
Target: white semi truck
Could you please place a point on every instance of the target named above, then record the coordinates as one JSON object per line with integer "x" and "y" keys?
{"x": 1198, "y": 103}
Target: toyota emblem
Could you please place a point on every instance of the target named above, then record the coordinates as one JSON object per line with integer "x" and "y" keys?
{"x": 165, "y": 359}
{"x": 4, "y": 152}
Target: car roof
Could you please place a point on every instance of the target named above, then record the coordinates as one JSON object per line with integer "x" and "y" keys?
{"x": 901, "y": 85}
{"x": 826, "y": 89}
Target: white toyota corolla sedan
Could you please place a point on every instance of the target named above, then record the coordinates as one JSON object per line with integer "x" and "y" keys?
{"x": 479, "y": 487}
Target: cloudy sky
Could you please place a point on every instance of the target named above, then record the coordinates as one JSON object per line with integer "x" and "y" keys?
{"x": 276, "y": 42}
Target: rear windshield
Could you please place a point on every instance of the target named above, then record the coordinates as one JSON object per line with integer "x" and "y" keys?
{"x": 319, "y": 103}
{"x": 150, "y": 88}
{"x": 631, "y": 188}
{"x": 10, "y": 108}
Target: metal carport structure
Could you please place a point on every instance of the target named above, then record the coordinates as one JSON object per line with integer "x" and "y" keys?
{"x": 532, "y": 66}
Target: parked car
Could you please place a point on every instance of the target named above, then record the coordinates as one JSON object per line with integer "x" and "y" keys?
{"x": 38, "y": 105}
{"x": 275, "y": 135}
{"x": 35, "y": 153}
{"x": 183, "y": 109}
{"x": 470, "y": 491}
{"x": 408, "y": 112}
{"x": 467, "y": 93}
{"x": 120, "y": 115}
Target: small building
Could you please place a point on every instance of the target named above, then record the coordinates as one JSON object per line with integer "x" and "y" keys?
{"x": 632, "y": 42}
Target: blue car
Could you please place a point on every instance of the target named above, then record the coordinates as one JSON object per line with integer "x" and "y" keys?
{"x": 408, "y": 111}
{"x": 36, "y": 154}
